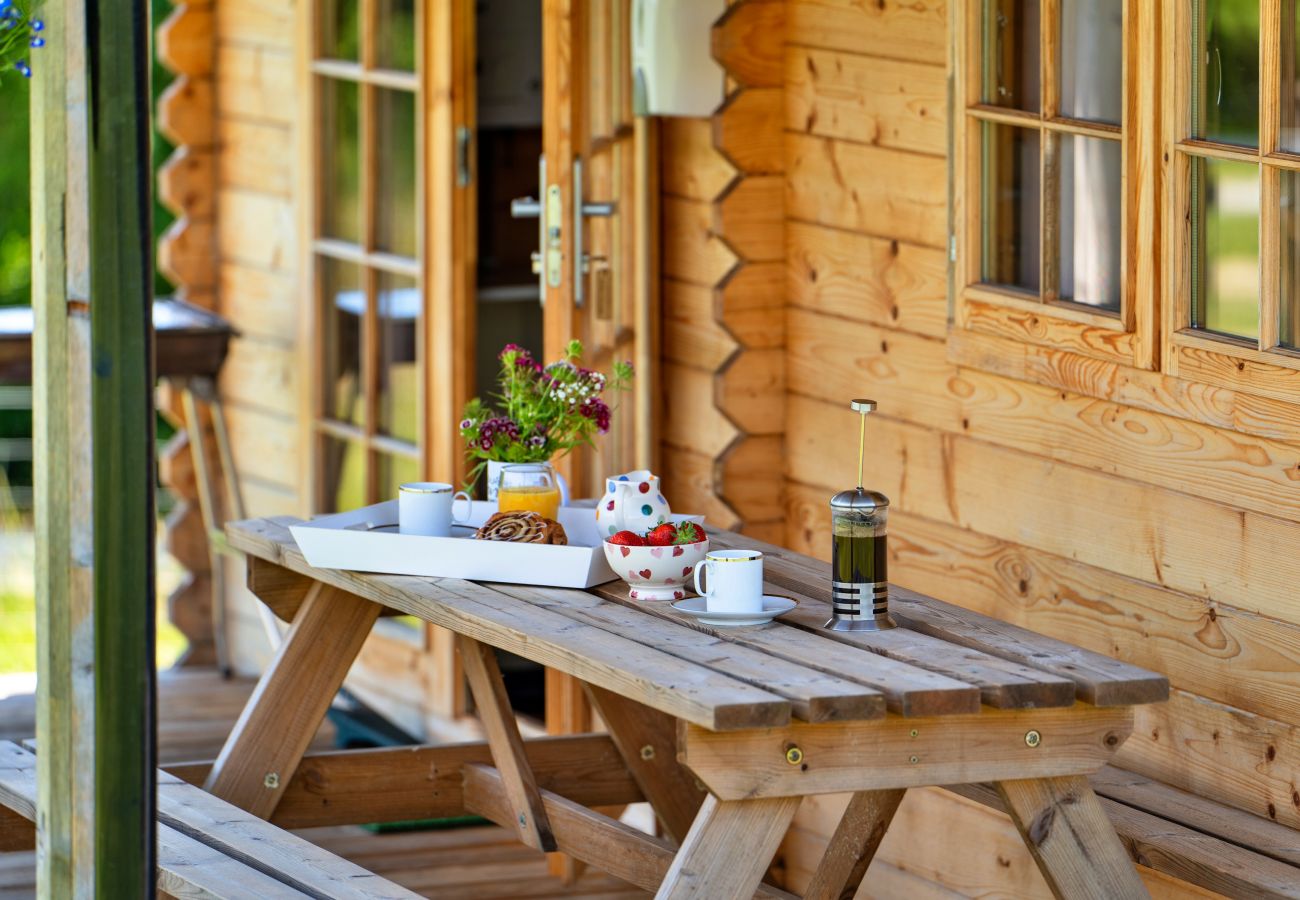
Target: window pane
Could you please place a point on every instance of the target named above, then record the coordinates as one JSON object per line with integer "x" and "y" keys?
{"x": 338, "y": 29}
{"x": 399, "y": 315}
{"x": 1225, "y": 247}
{"x": 395, "y": 35}
{"x": 1289, "y": 222}
{"x": 1011, "y": 54}
{"x": 344, "y": 304}
{"x": 396, "y": 194}
{"x": 1225, "y": 91}
{"x": 1092, "y": 60}
{"x": 340, "y": 161}
{"x": 1289, "y": 135}
{"x": 1089, "y": 223}
{"x": 395, "y": 471}
{"x": 1011, "y": 193}
{"x": 343, "y": 477}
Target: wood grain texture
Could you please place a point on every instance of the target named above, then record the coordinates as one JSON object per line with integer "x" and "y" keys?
{"x": 1068, "y": 833}
{"x": 868, "y": 100}
{"x": 885, "y": 193}
{"x": 747, "y": 131}
{"x": 904, "y": 752}
{"x": 647, "y": 741}
{"x": 692, "y": 167}
{"x": 728, "y": 848}
{"x": 896, "y": 29}
{"x": 748, "y": 42}
{"x": 186, "y": 40}
{"x": 853, "y": 845}
{"x": 255, "y": 82}
{"x": 187, "y": 182}
{"x": 289, "y": 703}
{"x": 692, "y": 251}
{"x": 750, "y": 391}
{"x": 749, "y": 216}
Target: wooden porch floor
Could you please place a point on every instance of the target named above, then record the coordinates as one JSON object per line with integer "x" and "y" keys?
{"x": 196, "y": 710}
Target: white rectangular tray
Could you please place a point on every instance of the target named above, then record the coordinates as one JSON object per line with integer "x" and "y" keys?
{"x": 367, "y": 540}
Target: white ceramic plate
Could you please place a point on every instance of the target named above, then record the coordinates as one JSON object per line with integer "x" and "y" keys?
{"x": 773, "y": 606}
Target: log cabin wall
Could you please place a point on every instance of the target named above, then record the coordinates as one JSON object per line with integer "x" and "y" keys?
{"x": 1137, "y": 514}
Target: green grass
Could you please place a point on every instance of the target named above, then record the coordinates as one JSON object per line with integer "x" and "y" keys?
{"x": 18, "y": 634}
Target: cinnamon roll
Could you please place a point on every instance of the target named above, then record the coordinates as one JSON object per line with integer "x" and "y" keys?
{"x": 522, "y": 527}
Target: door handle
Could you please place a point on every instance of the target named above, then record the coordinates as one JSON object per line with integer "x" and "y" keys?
{"x": 525, "y": 208}
{"x": 581, "y": 210}
{"x": 545, "y": 260}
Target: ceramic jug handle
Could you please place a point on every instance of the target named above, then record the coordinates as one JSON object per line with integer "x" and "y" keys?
{"x": 699, "y": 569}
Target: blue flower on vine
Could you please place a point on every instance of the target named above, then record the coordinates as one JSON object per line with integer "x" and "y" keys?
{"x": 20, "y": 32}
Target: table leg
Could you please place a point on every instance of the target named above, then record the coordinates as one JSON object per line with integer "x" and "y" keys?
{"x": 853, "y": 845}
{"x": 489, "y": 692}
{"x": 728, "y": 848}
{"x": 1071, "y": 838}
{"x": 280, "y": 719}
{"x": 647, "y": 740}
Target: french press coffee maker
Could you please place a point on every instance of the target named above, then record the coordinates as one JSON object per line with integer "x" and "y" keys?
{"x": 859, "y": 584}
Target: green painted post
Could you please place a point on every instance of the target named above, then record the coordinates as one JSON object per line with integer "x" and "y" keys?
{"x": 122, "y": 417}
{"x": 53, "y": 451}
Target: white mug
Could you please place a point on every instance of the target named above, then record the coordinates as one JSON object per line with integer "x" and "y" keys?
{"x": 734, "y": 583}
{"x": 424, "y": 507}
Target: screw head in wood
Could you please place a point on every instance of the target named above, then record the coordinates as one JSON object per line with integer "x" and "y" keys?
{"x": 915, "y": 732}
{"x": 1033, "y": 738}
{"x": 793, "y": 755}
{"x": 647, "y": 752}
{"x": 271, "y": 780}
{"x": 523, "y": 819}
{"x": 914, "y": 759}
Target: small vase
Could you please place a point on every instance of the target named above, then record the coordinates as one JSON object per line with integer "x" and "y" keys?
{"x": 494, "y": 468}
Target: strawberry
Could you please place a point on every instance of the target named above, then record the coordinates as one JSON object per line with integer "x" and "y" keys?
{"x": 663, "y": 536}
{"x": 689, "y": 533}
{"x": 627, "y": 539}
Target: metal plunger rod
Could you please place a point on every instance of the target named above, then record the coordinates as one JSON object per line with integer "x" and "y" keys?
{"x": 864, "y": 407}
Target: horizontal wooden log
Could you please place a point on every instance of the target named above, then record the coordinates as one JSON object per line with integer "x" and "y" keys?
{"x": 187, "y": 39}
{"x": 1247, "y": 375}
{"x": 1037, "y": 326}
{"x": 748, "y": 42}
{"x": 187, "y": 113}
{"x": 747, "y": 130}
{"x": 913, "y": 30}
{"x": 751, "y": 479}
{"x": 187, "y": 183}
{"x": 256, "y": 83}
{"x": 265, "y": 444}
{"x": 259, "y": 303}
{"x": 691, "y": 420}
{"x": 884, "y": 102}
{"x": 257, "y": 229}
{"x": 873, "y": 280}
{"x": 692, "y": 251}
{"x": 692, "y": 482}
{"x": 267, "y": 23}
{"x": 655, "y": 679}
{"x": 749, "y": 216}
{"x": 263, "y": 375}
{"x": 256, "y": 156}
{"x": 692, "y": 335}
{"x": 187, "y": 254}
{"x": 890, "y": 194}
{"x": 903, "y": 752}
{"x": 692, "y": 167}
{"x": 750, "y": 391}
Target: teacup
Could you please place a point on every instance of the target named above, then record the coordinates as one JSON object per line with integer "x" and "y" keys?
{"x": 734, "y": 583}
{"x": 425, "y": 507}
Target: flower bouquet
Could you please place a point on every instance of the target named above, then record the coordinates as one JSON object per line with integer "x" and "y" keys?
{"x": 542, "y": 412}
{"x": 20, "y": 33}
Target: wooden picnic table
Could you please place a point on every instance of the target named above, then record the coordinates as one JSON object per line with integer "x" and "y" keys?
{"x": 723, "y": 731}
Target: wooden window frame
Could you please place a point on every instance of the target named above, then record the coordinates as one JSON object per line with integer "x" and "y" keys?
{"x": 1131, "y": 336}
{"x": 371, "y": 261}
{"x": 1195, "y": 354}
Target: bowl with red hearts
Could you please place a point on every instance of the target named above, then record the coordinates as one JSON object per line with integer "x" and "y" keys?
{"x": 658, "y": 564}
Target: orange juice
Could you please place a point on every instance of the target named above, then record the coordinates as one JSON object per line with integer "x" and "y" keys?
{"x": 541, "y": 498}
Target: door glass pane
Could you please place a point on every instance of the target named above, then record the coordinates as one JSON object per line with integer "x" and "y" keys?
{"x": 344, "y": 304}
{"x": 1225, "y": 89}
{"x": 1289, "y": 134}
{"x": 340, "y": 161}
{"x": 338, "y": 29}
{"x": 1011, "y": 54}
{"x": 343, "y": 477}
{"x": 396, "y": 194}
{"x": 395, "y": 471}
{"x": 1225, "y": 247}
{"x": 395, "y": 35}
{"x": 1092, "y": 60}
{"x": 1289, "y": 223}
{"x": 1011, "y": 192}
{"x": 1089, "y": 223}
{"x": 399, "y": 317}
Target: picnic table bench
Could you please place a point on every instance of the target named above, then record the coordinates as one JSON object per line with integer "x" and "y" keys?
{"x": 723, "y": 731}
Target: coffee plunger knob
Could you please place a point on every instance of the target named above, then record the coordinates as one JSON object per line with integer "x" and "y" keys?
{"x": 863, "y": 406}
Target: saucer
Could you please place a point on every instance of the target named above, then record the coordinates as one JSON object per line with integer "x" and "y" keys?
{"x": 773, "y": 606}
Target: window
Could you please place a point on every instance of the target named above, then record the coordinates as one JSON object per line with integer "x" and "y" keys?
{"x": 366, "y": 259}
{"x": 1234, "y": 183}
{"x": 1047, "y": 197}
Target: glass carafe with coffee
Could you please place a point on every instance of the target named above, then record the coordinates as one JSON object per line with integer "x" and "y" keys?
{"x": 859, "y": 517}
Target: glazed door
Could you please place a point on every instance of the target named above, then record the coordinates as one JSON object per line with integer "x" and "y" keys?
{"x": 598, "y": 269}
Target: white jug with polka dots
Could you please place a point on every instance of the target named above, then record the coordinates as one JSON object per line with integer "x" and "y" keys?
{"x": 632, "y": 502}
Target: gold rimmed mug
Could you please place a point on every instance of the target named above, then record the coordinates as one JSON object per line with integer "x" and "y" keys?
{"x": 425, "y": 507}
{"x": 734, "y": 582}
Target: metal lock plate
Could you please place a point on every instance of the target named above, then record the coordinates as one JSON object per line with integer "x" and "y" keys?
{"x": 602, "y": 289}
{"x": 554, "y": 255}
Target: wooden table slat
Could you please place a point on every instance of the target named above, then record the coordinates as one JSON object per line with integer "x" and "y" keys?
{"x": 814, "y": 695}
{"x": 667, "y": 683}
{"x": 908, "y": 690}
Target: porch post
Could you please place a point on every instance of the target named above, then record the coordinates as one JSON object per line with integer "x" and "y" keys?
{"x": 122, "y": 416}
